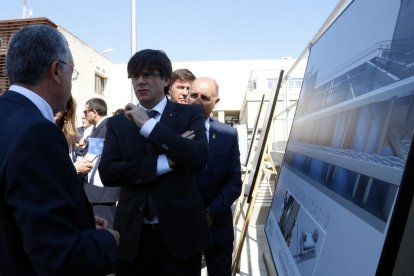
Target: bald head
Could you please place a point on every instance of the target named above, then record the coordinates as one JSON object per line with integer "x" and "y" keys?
{"x": 204, "y": 92}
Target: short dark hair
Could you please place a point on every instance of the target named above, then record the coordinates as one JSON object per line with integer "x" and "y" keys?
{"x": 148, "y": 59}
{"x": 182, "y": 75}
{"x": 99, "y": 105}
{"x": 31, "y": 51}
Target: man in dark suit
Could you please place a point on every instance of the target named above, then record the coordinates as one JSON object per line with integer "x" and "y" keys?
{"x": 46, "y": 223}
{"x": 160, "y": 214}
{"x": 103, "y": 199}
{"x": 220, "y": 181}
{"x": 181, "y": 80}
{"x": 83, "y": 130}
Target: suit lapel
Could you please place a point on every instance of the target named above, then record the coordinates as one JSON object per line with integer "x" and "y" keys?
{"x": 212, "y": 141}
{"x": 168, "y": 114}
{"x": 96, "y": 133}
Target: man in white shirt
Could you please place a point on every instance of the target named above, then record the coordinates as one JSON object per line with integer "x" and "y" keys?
{"x": 103, "y": 199}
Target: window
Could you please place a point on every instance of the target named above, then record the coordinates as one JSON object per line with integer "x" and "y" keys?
{"x": 232, "y": 120}
{"x": 295, "y": 82}
{"x": 100, "y": 83}
{"x": 270, "y": 83}
{"x": 253, "y": 85}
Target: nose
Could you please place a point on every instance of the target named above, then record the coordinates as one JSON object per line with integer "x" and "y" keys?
{"x": 138, "y": 79}
{"x": 139, "y": 82}
{"x": 197, "y": 101}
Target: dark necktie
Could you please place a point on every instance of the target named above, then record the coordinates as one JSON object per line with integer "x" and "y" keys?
{"x": 150, "y": 149}
{"x": 149, "y": 209}
{"x": 94, "y": 170}
{"x": 152, "y": 113}
{"x": 93, "y": 132}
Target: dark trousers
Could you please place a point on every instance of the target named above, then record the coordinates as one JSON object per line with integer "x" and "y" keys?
{"x": 155, "y": 259}
{"x": 218, "y": 259}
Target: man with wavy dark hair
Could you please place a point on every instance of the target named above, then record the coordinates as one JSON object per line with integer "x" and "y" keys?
{"x": 46, "y": 223}
{"x": 160, "y": 214}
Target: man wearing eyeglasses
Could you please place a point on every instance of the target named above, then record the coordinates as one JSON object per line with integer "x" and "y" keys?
{"x": 46, "y": 224}
{"x": 103, "y": 199}
{"x": 160, "y": 214}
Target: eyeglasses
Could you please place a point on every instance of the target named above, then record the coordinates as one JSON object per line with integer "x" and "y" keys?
{"x": 85, "y": 112}
{"x": 75, "y": 73}
{"x": 146, "y": 75}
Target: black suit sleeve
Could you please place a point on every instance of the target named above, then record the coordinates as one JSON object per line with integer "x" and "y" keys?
{"x": 190, "y": 153}
{"x": 125, "y": 160}
{"x": 232, "y": 184}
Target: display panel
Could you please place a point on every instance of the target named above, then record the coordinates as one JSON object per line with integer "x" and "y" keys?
{"x": 349, "y": 143}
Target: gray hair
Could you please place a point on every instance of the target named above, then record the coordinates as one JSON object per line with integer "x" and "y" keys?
{"x": 99, "y": 105}
{"x": 31, "y": 51}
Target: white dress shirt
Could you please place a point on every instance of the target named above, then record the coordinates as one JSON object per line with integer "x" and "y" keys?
{"x": 41, "y": 104}
{"x": 162, "y": 163}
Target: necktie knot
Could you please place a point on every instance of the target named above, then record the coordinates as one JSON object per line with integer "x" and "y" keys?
{"x": 152, "y": 113}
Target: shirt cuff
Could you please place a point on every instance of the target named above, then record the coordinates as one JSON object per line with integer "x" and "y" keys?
{"x": 148, "y": 127}
{"x": 162, "y": 165}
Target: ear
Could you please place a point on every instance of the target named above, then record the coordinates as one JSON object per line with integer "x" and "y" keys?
{"x": 167, "y": 82}
{"x": 54, "y": 71}
{"x": 216, "y": 102}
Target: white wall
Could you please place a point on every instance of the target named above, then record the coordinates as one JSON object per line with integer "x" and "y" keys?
{"x": 233, "y": 77}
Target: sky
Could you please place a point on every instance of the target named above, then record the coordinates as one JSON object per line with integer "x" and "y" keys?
{"x": 187, "y": 30}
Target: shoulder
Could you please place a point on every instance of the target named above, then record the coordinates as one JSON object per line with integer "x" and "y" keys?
{"x": 10, "y": 97}
{"x": 223, "y": 128}
{"x": 184, "y": 110}
{"x": 182, "y": 107}
{"x": 104, "y": 121}
{"x": 118, "y": 120}
{"x": 37, "y": 135}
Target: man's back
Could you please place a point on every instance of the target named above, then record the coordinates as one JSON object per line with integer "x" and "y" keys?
{"x": 46, "y": 225}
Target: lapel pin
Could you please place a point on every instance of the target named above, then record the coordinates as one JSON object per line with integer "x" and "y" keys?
{"x": 214, "y": 136}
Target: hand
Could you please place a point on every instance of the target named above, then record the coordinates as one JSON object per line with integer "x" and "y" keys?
{"x": 136, "y": 113}
{"x": 83, "y": 166}
{"x": 91, "y": 157}
{"x": 171, "y": 162}
{"x": 188, "y": 134}
{"x": 101, "y": 223}
{"x": 115, "y": 234}
{"x": 82, "y": 143}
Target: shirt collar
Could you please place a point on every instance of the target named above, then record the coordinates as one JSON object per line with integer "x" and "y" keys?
{"x": 40, "y": 103}
{"x": 101, "y": 120}
{"x": 207, "y": 124}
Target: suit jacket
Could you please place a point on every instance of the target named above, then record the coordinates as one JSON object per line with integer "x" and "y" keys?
{"x": 46, "y": 223}
{"x": 81, "y": 130}
{"x": 97, "y": 194}
{"x": 127, "y": 162}
{"x": 220, "y": 182}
